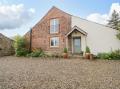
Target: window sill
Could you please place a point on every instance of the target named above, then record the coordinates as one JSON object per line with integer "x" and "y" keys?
{"x": 54, "y": 33}
{"x": 54, "y": 46}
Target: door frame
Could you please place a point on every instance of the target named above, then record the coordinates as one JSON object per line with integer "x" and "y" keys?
{"x": 73, "y": 43}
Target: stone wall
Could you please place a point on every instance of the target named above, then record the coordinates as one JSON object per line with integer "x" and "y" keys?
{"x": 6, "y": 46}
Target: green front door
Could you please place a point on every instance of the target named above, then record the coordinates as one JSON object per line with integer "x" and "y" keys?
{"x": 77, "y": 45}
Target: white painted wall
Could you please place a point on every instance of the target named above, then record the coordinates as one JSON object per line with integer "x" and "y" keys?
{"x": 100, "y": 38}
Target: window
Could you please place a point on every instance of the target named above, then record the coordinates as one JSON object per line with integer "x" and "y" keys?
{"x": 54, "y": 26}
{"x": 54, "y": 41}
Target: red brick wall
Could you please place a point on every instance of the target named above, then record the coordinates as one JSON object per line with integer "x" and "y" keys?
{"x": 41, "y": 31}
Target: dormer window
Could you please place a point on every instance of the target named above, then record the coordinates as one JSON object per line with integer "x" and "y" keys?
{"x": 54, "y": 26}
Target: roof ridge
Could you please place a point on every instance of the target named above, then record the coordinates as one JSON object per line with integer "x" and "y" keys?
{"x": 92, "y": 21}
{"x": 1, "y": 35}
{"x": 82, "y": 18}
{"x": 49, "y": 11}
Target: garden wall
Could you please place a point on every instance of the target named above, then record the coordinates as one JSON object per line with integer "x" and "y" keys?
{"x": 6, "y": 46}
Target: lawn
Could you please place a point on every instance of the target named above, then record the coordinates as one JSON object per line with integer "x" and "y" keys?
{"x": 38, "y": 73}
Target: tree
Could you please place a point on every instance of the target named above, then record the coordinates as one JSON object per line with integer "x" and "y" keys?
{"x": 114, "y": 20}
{"x": 118, "y": 35}
{"x": 19, "y": 45}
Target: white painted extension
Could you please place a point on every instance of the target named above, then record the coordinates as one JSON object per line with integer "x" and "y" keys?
{"x": 99, "y": 38}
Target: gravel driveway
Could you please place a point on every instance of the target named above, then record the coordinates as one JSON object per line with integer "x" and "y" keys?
{"x": 36, "y": 73}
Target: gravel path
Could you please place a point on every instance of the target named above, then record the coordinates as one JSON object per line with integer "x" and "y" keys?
{"x": 36, "y": 73}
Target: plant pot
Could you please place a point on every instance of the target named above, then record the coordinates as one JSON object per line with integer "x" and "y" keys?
{"x": 91, "y": 57}
{"x": 65, "y": 55}
{"x": 87, "y": 55}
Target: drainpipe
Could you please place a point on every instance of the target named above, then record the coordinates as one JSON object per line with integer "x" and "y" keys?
{"x": 30, "y": 45}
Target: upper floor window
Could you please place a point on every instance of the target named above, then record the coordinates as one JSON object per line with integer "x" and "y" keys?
{"x": 54, "y": 25}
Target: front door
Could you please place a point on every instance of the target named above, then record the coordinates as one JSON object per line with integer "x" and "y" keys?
{"x": 77, "y": 45}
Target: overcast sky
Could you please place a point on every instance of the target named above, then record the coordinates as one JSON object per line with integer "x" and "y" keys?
{"x": 18, "y": 16}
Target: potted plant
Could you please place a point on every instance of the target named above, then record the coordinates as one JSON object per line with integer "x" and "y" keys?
{"x": 87, "y": 53}
{"x": 65, "y": 54}
{"x": 91, "y": 56}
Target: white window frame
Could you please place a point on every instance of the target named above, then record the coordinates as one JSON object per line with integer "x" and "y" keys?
{"x": 54, "y": 23}
{"x": 54, "y": 38}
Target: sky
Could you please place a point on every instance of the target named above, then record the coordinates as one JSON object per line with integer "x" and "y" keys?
{"x": 18, "y": 16}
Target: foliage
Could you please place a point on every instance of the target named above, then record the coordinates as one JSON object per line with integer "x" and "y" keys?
{"x": 65, "y": 50}
{"x": 103, "y": 55}
{"x": 110, "y": 55}
{"x": 19, "y": 42}
{"x": 114, "y": 20}
{"x": 87, "y": 49}
{"x": 21, "y": 52}
{"x": 19, "y": 45}
{"x": 118, "y": 34}
{"x": 115, "y": 54}
{"x": 37, "y": 53}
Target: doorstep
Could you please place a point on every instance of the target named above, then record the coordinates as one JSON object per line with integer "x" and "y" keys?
{"x": 76, "y": 56}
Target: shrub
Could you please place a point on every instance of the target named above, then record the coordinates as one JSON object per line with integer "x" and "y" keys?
{"x": 110, "y": 55}
{"x": 37, "y": 53}
{"x": 103, "y": 55}
{"x": 115, "y": 54}
{"x": 21, "y": 52}
{"x": 19, "y": 45}
{"x": 87, "y": 49}
{"x": 65, "y": 50}
{"x": 19, "y": 42}
{"x": 118, "y": 35}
